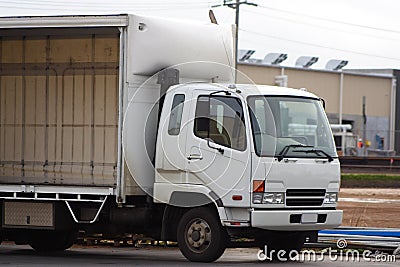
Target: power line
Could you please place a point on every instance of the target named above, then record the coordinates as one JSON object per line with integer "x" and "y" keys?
{"x": 50, "y": 5}
{"x": 320, "y": 26}
{"x": 92, "y": 9}
{"x": 319, "y": 46}
{"x": 236, "y": 5}
{"x": 80, "y": 3}
{"x": 330, "y": 20}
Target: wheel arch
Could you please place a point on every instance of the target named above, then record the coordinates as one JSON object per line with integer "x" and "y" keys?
{"x": 180, "y": 202}
{"x": 194, "y": 199}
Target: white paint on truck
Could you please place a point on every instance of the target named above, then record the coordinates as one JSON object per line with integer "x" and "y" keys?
{"x": 88, "y": 137}
{"x": 197, "y": 167}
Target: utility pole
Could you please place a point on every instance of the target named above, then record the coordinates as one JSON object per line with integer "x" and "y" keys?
{"x": 235, "y": 4}
{"x": 364, "y": 103}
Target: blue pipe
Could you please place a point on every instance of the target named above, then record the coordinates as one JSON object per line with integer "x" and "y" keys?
{"x": 365, "y": 232}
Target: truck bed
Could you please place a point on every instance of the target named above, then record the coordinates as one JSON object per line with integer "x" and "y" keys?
{"x": 59, "y": 106}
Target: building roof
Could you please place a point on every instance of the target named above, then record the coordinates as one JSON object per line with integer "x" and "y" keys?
{"x": 382, "y": 73}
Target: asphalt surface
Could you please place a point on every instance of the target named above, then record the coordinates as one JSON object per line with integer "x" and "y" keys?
{"x": 13, "y": 255}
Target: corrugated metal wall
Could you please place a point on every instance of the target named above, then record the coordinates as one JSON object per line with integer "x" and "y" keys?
{"x": 59, "y": 108}
{"x": 326, "y": 84}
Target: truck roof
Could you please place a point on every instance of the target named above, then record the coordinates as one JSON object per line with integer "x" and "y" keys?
{"x": 247, "y": 89}
{"x": 64, "y": 21}
{"x": 250, "y": 89}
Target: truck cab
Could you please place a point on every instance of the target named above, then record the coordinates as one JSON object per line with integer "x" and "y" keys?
{"x": 261, "y": 159}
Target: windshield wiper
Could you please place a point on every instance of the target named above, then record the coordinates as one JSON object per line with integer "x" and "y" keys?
{"x": 286, "y": 149}
{"x": 318, "y": 152}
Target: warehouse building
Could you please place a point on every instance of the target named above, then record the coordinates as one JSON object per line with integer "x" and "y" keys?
{"x": 343, "y": 91}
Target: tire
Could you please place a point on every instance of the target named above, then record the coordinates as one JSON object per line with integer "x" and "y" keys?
{"x": 282, "y": 241}
{"x": 52, "y": 241}
{"x": 201, "y": 237}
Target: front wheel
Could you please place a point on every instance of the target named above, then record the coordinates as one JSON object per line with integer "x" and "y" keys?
{"x": 201, "y": 237}
{"x": 52, "y": 241}
{"x": 281, "y": 245}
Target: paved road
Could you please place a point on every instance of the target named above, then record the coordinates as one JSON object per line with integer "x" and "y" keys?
{"x": 12, "y": 255}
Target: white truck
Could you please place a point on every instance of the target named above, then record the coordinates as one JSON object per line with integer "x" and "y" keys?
{"x": 91, "y": 140}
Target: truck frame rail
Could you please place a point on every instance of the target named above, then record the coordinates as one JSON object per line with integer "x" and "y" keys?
{"x": 55, "y": 193}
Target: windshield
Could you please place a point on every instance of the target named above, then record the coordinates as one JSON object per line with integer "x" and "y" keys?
{"x": 290, "y": 127}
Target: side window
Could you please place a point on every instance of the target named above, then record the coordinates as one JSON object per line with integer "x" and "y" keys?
{"x": 175, "y": 118}
{"x": 221, "y": 119}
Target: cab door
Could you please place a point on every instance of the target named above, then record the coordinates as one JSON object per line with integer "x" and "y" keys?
{"x": 171, "y": 143}
{"x": 217, "y": 147}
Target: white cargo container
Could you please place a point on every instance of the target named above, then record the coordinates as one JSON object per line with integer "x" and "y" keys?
{"x": 89, "y": 141}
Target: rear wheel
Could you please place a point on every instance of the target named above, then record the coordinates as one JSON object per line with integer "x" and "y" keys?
{"x": 52, "y": 241}
{"x": 201, "y": 237}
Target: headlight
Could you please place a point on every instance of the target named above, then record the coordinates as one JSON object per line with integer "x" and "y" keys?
{"x": 257, "y": 198}
{"x": 330, "y": 198}
{"x": 268, "y": 198}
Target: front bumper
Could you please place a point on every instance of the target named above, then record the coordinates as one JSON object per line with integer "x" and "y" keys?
{"x": 298, "y": 220}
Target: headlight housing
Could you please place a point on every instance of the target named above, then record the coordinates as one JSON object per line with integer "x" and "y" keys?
{"x": 269, "y": 198}
{"x": 331, "y": 198}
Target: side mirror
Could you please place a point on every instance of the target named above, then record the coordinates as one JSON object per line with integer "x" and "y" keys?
{"x": 219, "y": 149}
{"x": 323, "y": 102}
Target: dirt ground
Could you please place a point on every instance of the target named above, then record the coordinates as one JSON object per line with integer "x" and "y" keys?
{"x": 368, "y": 183}
{"x": 370, "y": 207}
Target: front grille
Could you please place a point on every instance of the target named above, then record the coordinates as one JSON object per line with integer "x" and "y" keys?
{"x": 304, "y": 202}
{"x": 305, "y": 192}
{"x": 305, "y": 197}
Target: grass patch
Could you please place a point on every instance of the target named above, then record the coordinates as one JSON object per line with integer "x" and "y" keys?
{"x": 362, "y": 180}
{"x": 370, "y": 177}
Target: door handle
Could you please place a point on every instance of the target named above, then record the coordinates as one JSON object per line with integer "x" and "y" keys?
{"x": 195, "y": 156}
{"x": 321, "y": 160}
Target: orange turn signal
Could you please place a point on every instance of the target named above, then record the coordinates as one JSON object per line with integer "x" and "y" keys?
{"x": 259, "y": 186}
